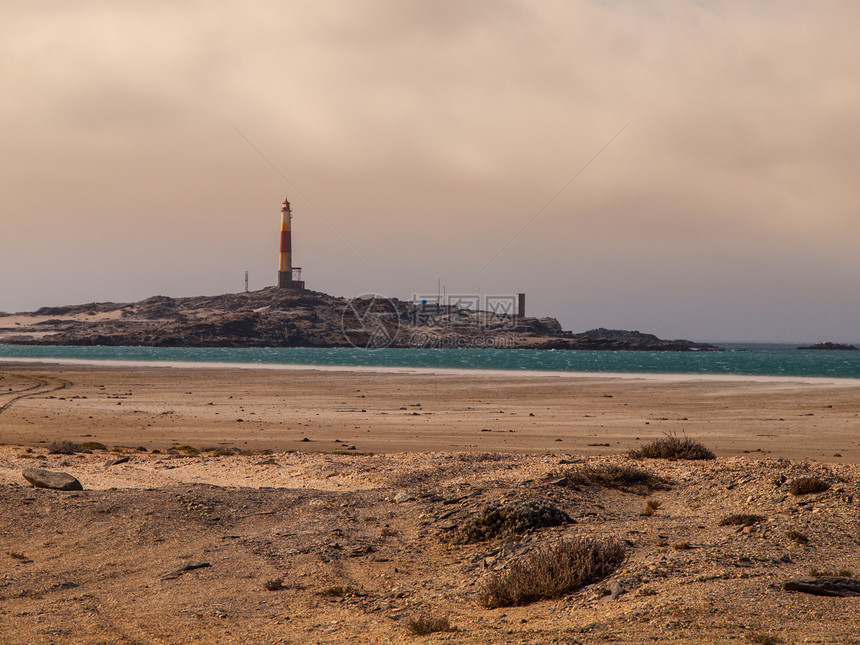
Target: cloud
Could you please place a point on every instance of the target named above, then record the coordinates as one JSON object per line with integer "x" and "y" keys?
{"x": 443, "y": 125}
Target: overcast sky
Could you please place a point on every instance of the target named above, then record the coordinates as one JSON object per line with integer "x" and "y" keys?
{"x": 147, "y": 146}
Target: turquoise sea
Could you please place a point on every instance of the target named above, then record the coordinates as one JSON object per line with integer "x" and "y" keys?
{"x": 737, "y": 359}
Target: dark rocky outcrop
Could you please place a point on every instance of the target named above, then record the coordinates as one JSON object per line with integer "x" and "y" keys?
{"x": 828, "y": 345}
{"x": 621, "y": 340}
{"x": 286, "y": 318}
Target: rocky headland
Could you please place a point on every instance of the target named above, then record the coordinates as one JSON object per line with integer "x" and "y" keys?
{"x": 278, "y": 318}
{"x": 829, "y": 345}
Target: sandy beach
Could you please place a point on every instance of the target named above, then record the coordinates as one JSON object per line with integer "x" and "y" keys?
{"x": 204, "y": 487}
{"x": 397, "y": 411}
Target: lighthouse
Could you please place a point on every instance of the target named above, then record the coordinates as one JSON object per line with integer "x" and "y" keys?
{"x": 285, "y": 265}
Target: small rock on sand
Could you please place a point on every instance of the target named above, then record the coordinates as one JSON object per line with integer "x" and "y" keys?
{"x": 51, "y": 479}
{"x": 191, "y": 566}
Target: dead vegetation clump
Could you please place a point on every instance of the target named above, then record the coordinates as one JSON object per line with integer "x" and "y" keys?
{"x": 62, "y": 447}
{"x": 480, "y": 457}
{"x": 511, "y": 518}
{"x": 186, "y": 450}
{"x": 672, "y": 447}
{"x": 840, "y": 573}
{"x": 627, "y": 478}
{"x": 651, "y": 507}
{"x": 807, "y": 485}
{"x": 552, "y": 572}
{"x": 797, "y": 536}
{"x": 92, "y": 445}
{"x": 275, "y": 584}
{"x": 740, "y": 519}
{"x": 425, "y": 624}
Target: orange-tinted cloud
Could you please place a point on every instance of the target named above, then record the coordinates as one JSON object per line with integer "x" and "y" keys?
{"x": 429, "y": 133}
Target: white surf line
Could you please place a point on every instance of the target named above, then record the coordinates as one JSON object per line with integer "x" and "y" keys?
{"x": 453, "y": 371}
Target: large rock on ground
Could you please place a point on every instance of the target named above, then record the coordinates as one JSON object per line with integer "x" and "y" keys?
{"x": 51, "y": 479}
{"x": 824, "y": 586}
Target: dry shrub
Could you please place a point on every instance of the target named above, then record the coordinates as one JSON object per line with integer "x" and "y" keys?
{"x": 740, "y": 519}
{"x": 552, "y": 571}
{"x": 498, "y": 520}
{"x": 841, "y": 573}
{"x": 807, "y": 485}
{"x": 672, "y": 447}
{"x": 92, "y": 445}
{"x": 651, "y": 507}
{"x": 62, "y": 448}
{"x": 626, "y": 478}
{"x": 479, "y": 457}
{"x": 425, "y": 624}
{"x": 797, "y": 536}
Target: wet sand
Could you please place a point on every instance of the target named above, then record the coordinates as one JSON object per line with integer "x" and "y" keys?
{"x": 406, "y": 411}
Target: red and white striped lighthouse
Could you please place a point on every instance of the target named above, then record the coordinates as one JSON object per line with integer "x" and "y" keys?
{"x": 286, "y": 270}
{"x": 285, "y": 266}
